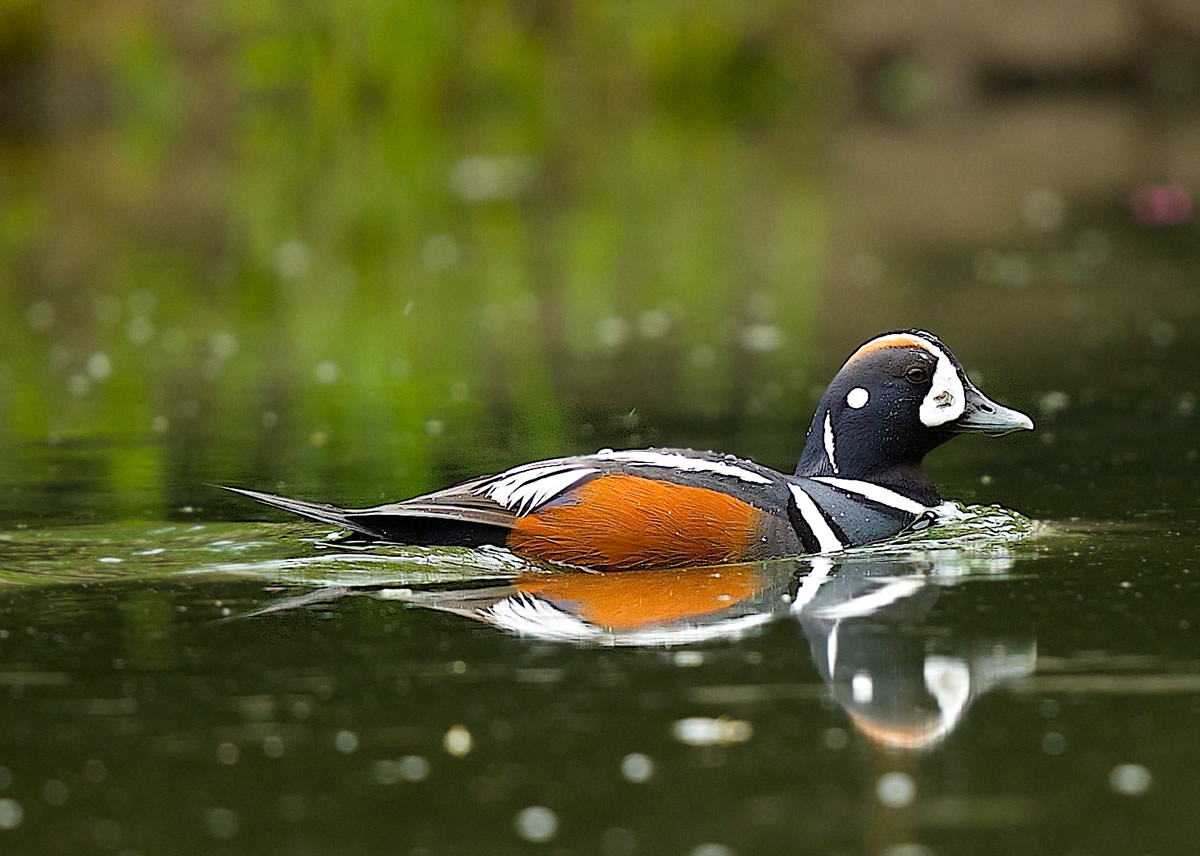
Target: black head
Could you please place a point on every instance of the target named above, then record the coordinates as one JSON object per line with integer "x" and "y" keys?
{"x": 897, "y": 398}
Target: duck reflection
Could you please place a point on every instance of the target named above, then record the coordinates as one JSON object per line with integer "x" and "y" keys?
{"x": 625, "y": 608}
{"x": 905, "y": 683}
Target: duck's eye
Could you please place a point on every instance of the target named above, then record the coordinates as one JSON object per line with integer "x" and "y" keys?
{"x": 916, "y": 374}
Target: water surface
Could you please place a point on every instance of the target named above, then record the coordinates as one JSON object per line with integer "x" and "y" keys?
{"x": 290, "y": 256}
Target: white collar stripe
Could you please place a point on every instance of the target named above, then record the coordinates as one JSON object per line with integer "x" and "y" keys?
{"x": 882, "y": 495}
{"x": 829, "y": 442}
{"x": 827, "y": 541}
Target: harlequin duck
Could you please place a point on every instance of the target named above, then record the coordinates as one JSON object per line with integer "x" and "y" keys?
{"x": 859, "y": 480}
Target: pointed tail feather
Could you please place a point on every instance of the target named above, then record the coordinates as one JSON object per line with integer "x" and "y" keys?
{"x": 320, "y": 512}
{"x": 403, "y": 523}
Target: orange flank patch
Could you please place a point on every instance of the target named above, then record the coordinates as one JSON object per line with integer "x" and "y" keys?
{"x": 637, "y": 599}
{"x": 896, "y": 340}
{"x": 621, "y": 521}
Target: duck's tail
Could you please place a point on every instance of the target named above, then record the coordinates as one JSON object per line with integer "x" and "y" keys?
{"x": 435, "y": 519}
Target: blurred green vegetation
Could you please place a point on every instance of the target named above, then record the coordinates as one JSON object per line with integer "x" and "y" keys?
{"x": 368, "y": 247}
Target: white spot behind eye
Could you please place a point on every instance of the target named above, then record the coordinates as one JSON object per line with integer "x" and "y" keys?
{"x": 858, "y": 397}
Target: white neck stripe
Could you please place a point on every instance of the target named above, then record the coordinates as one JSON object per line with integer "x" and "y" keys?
{"x": 826, "y": 540}
{"x": 875, "y": 492}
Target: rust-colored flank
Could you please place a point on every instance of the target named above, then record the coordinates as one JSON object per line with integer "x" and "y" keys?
{"x": 623, "y": 521}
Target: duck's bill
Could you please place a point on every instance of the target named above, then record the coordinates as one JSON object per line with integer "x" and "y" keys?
{"x": 984, "y": 416}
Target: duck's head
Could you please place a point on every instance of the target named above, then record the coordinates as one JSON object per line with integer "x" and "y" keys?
{"x": 897, "y": 398}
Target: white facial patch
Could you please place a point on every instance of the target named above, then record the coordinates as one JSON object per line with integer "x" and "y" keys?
{"x": 946, "y": 399}
{"x": 829, "y": 443}
{"x": 858, "y": 398}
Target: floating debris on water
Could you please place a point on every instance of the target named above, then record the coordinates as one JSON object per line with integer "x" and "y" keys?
{"x": 1052, "y": 402}
{"x": 228, "y": 753}
{"x": 11, "y": 813}
{"x": 1053, "y": 743}
{"x": 413, "y": 768}
{"x": 709, "y": 848}
{"x": 458, "y": 741}
{"x": 896, "y": 789}
{"x": 636, "y": 767}
{"x": 536, "y": 823}
{"x": 221, "y": 822}
{"x": 711, "y": 731}
{"x": 1130, "y": 779}
{"x": 835, "y": 738}
{"x": 273, "y": 746}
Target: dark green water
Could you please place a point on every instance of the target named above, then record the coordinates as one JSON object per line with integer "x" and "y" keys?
{"x": 278, "y": 253}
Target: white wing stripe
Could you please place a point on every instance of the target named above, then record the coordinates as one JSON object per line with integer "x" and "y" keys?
{"x": 828, "y": 542}
{"x": 527, "y": 487}
{"x": 873, "y": 491}
{"x": 683, "y": 462}
{"x": 526, "y": 490}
